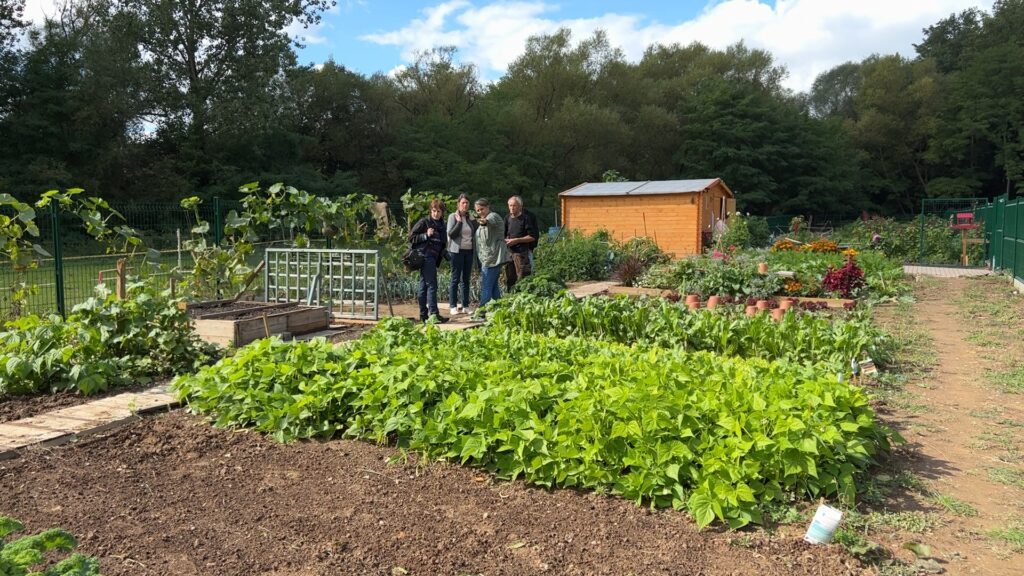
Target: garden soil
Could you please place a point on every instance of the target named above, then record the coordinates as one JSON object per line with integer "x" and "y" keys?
{"x": 169, "y": 494}
{"x": 952, "y": 410}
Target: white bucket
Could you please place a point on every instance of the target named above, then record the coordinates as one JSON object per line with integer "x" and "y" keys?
{"x": 823, "y": 525}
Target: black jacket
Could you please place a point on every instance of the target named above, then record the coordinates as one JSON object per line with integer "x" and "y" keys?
{"x": 432, "y": 246}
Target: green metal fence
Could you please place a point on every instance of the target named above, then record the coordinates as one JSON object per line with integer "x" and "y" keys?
{"x": 77, "y": 264}
{"x": 1004, "y": 230}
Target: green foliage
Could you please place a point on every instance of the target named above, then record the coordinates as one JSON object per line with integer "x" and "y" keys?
{"x": 285, "y": 213}
{"x": 737, "y": 233}
{"x": 98, "y": 219}
{"x": 715, "y": 435}
{"x": 417, "y": 205}
{"x": 799, "y": 337}
{"x": 20, "y": 556}
{"x": 216, "y": 270}
{"x": 883, "y": 276}
{"x": 105, "y": 342}
{"x": 901, "y": 240}
{"x": 732, "y": 275}
{"x": 539, "y": 285}
{"x": 760, "y": 233}
{"x": 645, "y": 249}
{"x": 572, "y": 257}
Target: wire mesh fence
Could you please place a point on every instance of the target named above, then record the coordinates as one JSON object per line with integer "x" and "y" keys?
{"x": 952, "y": 232}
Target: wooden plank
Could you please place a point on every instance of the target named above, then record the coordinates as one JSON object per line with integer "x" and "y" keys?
{"x": 76, "y": 421}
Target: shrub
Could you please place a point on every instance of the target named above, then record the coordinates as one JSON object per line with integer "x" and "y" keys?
{"x": 760, "y": 233}
{"x": 737, "y": 233}
{"x": 573, "y": 256}
{"x": 645, "y": 249}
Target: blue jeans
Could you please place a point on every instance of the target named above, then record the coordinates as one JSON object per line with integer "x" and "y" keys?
{"x": 426, "y": 291}
{"x": 489, "y": 289}
{"x": 462, "y": 267}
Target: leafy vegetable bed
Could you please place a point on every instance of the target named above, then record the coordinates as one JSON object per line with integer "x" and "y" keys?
{"x": 798, "y": 337}
{"x": 718, "y": 436}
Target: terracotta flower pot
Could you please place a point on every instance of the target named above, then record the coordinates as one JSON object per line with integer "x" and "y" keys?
{"x": 692, "y": 298}
{"x": 785, "y": 303}
{"x": 693, "y": 305}
{"x": 762, "y": 304}
{"x": 712, "y": 302}
{"x": 778, "y": 313}
{"x": 762, "y": 268}
{"x": 751, "y": 311}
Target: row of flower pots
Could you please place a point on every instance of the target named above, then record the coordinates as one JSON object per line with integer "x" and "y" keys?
{"x": 693, "y": 303}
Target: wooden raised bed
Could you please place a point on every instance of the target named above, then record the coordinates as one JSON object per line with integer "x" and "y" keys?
{"x": 242, "y": 322}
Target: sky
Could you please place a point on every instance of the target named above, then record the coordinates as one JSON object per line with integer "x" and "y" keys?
{"x": 807, "y": 36}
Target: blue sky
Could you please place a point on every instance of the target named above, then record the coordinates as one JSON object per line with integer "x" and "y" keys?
{"x": 807, "y": 36}
{"x": 341, "y": 35}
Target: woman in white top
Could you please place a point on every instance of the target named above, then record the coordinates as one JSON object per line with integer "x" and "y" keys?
{"x": 461, "y": 229}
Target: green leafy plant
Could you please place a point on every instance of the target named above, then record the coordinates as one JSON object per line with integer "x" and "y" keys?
{"x": 718, "y": 436}
{"x": 540, "y": 285}
{"x": 20, "y": 556}
{"x": 799, "y": 337}
{"x": 216, "y": 270}
{"x": 104, "y": 343}
{"x": 573, "y": 256}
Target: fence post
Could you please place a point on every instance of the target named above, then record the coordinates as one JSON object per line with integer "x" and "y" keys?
{"x": 218, "y": 225}
{"x": 1017, "y": 236}
{"x": 920, "y": 253}
{"x": 58, "y": 258}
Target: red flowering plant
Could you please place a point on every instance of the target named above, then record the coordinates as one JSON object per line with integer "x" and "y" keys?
{"x": 845, "y": 281}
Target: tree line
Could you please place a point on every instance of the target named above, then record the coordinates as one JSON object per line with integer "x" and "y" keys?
{"x": 163, "y": 99}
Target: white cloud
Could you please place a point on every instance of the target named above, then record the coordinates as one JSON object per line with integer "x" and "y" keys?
{"x": 36, "y": 11}
{"x": 808, "y": 36}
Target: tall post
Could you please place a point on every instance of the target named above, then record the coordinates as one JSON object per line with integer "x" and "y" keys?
{"x": 218, "y": 224}
{"x": 58, "y": 258}
{"x": 920, "y": 254}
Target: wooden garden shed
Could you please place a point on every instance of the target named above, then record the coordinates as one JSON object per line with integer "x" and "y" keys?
{"x": 675, "y": 213}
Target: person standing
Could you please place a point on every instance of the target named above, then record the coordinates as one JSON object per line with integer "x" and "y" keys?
{"x": 521, "y": 234}
{"x": 429, "y": 236}
{"x": 461, "y": 240}
{"x": 491, "y": 249}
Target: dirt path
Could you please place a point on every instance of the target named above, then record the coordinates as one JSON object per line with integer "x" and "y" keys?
{"x": 963, "y": 431}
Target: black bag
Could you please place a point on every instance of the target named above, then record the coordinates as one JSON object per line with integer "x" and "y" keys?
{"x": 413, "y": 259}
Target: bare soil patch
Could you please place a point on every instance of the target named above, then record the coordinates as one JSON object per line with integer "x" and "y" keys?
{"x": 171, "y": 495}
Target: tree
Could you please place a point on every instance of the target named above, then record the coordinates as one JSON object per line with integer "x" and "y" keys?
{"x": 947, "y": 41}
{"x": 10, "y": 21}
{"x": 215, "y": 67}
{"x": 833, "y": 92}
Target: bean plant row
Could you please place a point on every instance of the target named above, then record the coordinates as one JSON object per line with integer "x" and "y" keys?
{"x": 718, "y": 436}
{"x": 798, "y": 337}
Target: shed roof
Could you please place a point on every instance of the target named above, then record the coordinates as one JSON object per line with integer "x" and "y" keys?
{"x": 638, "y": 188}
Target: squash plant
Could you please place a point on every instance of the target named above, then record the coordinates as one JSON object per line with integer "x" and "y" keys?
{"x": 105, "y": 342}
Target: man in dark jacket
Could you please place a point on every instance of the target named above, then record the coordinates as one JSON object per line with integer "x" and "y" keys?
{"x": 429, "y": 235}
{"x": 521, "y": 234}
